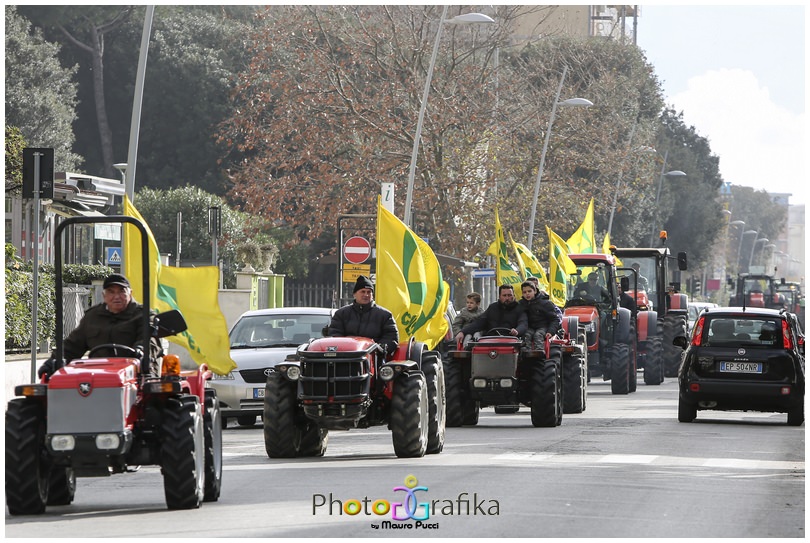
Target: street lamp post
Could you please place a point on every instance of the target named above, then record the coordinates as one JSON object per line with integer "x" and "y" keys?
{"x": 664, "y": 173}
{"x": 468, "y": 18}
{"x": 730, "y": 224}
{"x": 570, "y": 102}
{"x": 754, "y": 246}
{"x": 739, "y": 249}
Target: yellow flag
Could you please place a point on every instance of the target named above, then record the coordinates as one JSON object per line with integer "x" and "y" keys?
{"x": 560, "y": 266}
{"x": 606, "y": 250}
{"x": 505, "y": 274}
{"x": 582, "y": 241}
{"x": 192, "y": 291}
{"x": 409, "y": 281}
{"x": 529, "y": 265}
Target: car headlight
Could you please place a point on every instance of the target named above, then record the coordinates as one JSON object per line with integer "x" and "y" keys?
{"x": 217, "y": 377}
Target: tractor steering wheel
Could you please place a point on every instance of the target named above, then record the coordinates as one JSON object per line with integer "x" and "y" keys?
{"x": 507, "y": 332}
{"x": 115, "y": 347}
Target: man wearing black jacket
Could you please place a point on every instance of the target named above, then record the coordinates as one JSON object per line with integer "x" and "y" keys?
{"x": 505, "y": 313}
{"x": 364, "y": 318}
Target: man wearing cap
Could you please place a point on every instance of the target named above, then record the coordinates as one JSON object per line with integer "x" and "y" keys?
{"x": 118, "y": 319}
{"x": 364, "y": 318}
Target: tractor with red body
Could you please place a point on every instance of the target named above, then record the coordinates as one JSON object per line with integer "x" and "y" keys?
{"x": 95, "y": 417}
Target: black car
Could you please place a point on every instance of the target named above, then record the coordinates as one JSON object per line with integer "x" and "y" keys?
{"x": 742, "y": 359}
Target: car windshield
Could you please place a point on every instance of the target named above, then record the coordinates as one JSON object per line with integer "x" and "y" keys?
{"x": 750, "y": 331}
{"x": 279, "y": 330}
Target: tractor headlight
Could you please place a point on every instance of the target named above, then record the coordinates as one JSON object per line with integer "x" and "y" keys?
{"x": 479, "y": 383}
{"x": 107, "y": 441}
{"x": 293, "y": 373}
{"x": 63, "y": 443}
{"x": 386, "y": 373}
{"x": 506, "y": 383}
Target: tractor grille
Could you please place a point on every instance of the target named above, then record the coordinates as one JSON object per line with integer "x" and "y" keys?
{"x": 334, "y": 377}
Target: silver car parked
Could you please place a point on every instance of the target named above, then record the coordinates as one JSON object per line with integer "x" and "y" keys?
{"x": 260, "y": 339}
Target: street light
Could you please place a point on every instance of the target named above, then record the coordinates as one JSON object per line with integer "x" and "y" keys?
{"x": 754, "y": 246}
{"x": 725, "y": 250}
{"x": 664, "y": 173}
{"x": 570, "y": 102}
{"x": 467, "y": 18}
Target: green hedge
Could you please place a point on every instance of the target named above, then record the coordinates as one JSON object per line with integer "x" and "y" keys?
{"x": 20, "y": 285}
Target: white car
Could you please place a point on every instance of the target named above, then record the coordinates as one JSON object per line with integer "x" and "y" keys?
{"x": 260, "y": 339}
{"x": 694, "y": 310}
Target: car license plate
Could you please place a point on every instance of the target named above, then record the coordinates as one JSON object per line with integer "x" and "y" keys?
{"x": 741, "y": 367}
{"x": 258, "y": 393}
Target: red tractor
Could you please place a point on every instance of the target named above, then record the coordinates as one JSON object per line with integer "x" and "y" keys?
{"x": 758, "y": 290}
{"x": 662, "y": 309}
{"x": 102, "y": 416}
{"x": 610, "y": 332}
{"x": 339, "y": 383}
{"x": 494, "y": 371}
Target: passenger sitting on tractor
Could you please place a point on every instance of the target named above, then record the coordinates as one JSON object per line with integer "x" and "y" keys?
{"x": 592, "y": 289}
{"x": 505, "y": 313}
{"x": 467, "y": 315}
{"x": 542, "y": 316}
{"x": 117, "y": 320}
{"x": 643, "y": 284}
{"x": 364, "y": 318}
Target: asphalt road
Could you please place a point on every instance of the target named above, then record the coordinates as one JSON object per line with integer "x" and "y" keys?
{"x": 624, "y": 468}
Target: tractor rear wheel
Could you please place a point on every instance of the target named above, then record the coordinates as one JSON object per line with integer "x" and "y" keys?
{"x": 27, "y": 468}
{"x": 409, "y": 416}
{"x": 212, "y": 426}
{"x": 314, "y": 440}
{"x": 575, "y": 383}
{"x": 674, "y": 326}
{"x": 433, "y": 369}
{"x": 182, "y": 453}
{"x": 654, "y": 362}
{"x": 61, "y": 486}
{"x": 619, "y": 360}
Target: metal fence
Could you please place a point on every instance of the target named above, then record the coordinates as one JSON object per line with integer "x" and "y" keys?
{"x": 300, "y": 294}
{"x": 76, "y": 300}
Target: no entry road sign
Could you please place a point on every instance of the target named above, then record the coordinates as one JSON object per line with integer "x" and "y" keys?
{"x": 356, "y": 250}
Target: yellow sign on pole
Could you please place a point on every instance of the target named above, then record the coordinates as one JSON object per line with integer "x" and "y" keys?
{"x": 352, "y": 271}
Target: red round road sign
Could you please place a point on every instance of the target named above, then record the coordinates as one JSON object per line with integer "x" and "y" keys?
{"x": 357, "y": 250}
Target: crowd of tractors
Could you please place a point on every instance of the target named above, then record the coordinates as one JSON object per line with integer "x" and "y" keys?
{"x": 102, "y": 416}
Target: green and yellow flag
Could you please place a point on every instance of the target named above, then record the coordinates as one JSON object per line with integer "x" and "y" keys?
{"x": 529, "y": 265}
{"x": 582, "y": 240}
{"x": 409, "y": 281}
{"x": 505, "y": 274}
{"x": 560, "y": 266}
{"x": 193, "y": 291}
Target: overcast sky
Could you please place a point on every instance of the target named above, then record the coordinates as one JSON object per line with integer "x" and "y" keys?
{"x": 737, "y": 72}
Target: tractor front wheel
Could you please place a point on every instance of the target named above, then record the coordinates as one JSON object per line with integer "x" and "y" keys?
{"x": 182, "y": 453}
{"x": 409, "y": 416}
{"x": 27, "y": 466}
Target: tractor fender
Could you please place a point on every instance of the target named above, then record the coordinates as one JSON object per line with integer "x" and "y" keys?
{"x": 570, "y": 325}
{"x": 622, "y": 332}
{"x": 646, "y": 324}
{"x": 678, "y": 303}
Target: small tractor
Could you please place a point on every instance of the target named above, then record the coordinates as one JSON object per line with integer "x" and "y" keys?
{"x": 610, "y": 331}
{"x": 494, "y": 371}
{"x": 662, "y": 309}
{"x": 339, "y": 383}
{"x": 95, "y": 417}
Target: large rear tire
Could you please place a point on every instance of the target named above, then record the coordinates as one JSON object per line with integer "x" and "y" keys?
{"x": 545, "y": 401}
{"x": 314, "y": 440}
{"x": 182, "y": 453}
{"x": 459, "y": 409}
{"x": 212, "y": 425}
{"x": 409, "y": 416}
{"x": 433, "y": 369}
{"x": 27, "y": 466}
{"x": 674, "y": 326}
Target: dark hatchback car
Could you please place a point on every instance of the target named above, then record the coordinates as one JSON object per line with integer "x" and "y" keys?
{"x": 742, "y": 359}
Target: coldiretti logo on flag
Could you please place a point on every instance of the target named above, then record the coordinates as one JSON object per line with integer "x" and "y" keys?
{"x": 529, "y": 264}
{"x": 409, "y": 281}
{"x": 504, "y": 273}
{"x": 582, "y": 241}
{"x": 192, "y": 291}
{"x": 560, "y": 266}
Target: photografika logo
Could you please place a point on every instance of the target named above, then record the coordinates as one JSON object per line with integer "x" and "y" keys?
{"x": 414, "y": 511}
